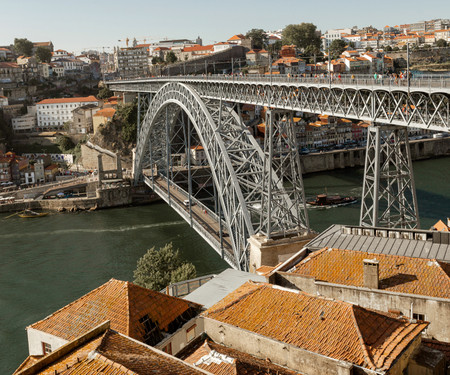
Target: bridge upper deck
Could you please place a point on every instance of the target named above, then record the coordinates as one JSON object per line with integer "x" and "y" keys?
{"x": 424, "y": 103}
{"x": 427, "y": 85}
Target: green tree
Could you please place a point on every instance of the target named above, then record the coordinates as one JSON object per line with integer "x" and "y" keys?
{"x": 157, "y": 60}
{"x": 105, "y": 93}
{"x": 388, "y": 49}
{"x": 43, "y": 54}
{"x": 158, "y": 268}
{"x": 258, "y": 38}
{"x": 395, "y": 49}
{"x": 302, "y": 35}
{"x": 351, "y": 44}
{"x": 369, "y": 49}
{"x": 337, "y": 47}
{"x": 404, "y": 47}
{"x": 171, "y": 57}
{"x": 64, "y": 143}
{"x": 127, "y": 116}
{"x": 441, "y": 43}
{"x": 23, "y": 46}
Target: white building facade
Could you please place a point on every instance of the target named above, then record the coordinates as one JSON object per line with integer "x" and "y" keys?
{"x": 24, "y": 123}
{"x": 334, "y": 34}
{"x": 53, "y": 113}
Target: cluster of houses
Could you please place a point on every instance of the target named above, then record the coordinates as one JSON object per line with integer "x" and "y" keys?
{"x": 22, "y": 170}
{"x": 18, "y": 69}
{"x": 419, "y": 33}
{"x": 354, "y": 300}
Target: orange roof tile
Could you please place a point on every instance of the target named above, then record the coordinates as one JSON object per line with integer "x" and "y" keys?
{"x": 396, "y": 273}
{"x": 69, "y": 100}
{"x": 205, "y": 354}
{"x": 109, "y": 353}
{"x": 121, "y": 302}
{"x": 331, "y": 328}
{"x": 198, "y": 48}
{"x": 106, "y": 112}
{"x": 237, "y": 37}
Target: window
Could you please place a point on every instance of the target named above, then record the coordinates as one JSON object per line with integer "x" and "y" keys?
{"x": 46, "y": 348}
{"x": 168, "y": 348}
{"x": 419, "y": 316}
{"x": 190, "y": 333}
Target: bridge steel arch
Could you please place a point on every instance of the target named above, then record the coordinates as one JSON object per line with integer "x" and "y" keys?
{"x": 235, "y": 158}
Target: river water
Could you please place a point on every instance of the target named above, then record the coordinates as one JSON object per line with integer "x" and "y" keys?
{"x": 47, "y": 263}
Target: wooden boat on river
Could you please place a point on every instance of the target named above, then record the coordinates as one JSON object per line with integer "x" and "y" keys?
{"x": 323, "y": 200}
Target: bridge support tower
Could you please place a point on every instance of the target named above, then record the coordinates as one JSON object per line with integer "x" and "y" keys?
{"x": 389, "y": 195}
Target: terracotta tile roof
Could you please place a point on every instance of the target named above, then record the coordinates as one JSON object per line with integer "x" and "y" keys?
{"x": 198, "y": 48}
{"x": 5, "y": 64}
{"x": 69, "y": 100}
{"x": 396, "y": 273}
{"x": 106, "y": 112}
{"x": 124, "y": 304}
{"x": 331, "y": 328}
{"x": 237, "y": 37}
{"x": 29, "y": 361}
{"x": 220, "y": 360}
{"x": 111, "y": 353}
{"x": 443, "y": 347}
{"x": 264, "y": 270}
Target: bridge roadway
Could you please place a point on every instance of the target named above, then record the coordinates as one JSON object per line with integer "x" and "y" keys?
{"x": 424, "y": 104}
{"x": 201, "y": 218}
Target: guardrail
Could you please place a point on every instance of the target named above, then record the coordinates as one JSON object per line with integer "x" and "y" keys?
{"x": 185, "y": 287}
{"x": 345, "y": 80}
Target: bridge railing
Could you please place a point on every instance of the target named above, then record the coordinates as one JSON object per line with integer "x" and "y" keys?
{"x": 346, "y": 80}
{"x": 195, "y": 201}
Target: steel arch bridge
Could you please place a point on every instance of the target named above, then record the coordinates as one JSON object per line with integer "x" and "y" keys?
{"x": 247, "y": 179}
{"x": 239, "y": 168}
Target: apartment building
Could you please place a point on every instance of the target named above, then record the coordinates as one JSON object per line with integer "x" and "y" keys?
{"x": 53, "y": 113}
{"x": 131, "y": 62}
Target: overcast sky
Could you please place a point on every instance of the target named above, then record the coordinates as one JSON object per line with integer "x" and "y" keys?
{"x": 92, "y": 24}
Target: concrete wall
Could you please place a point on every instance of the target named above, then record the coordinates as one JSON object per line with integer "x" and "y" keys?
{"x": 178, "y": 339}
{"x": 90, "y": 159}
{"x": 265, "y": 252}
{"x": 112, "y": 197}
{"x": 277, "y": 352}
{"x": 36, "y": 338}
{"x": 197, "y": 65}
{"x": 434, "y": 309}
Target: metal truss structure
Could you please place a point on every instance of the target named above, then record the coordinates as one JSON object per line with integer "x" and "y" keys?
{"x": 389, "y": 195}
{"x": 281, "y": 156}
{"x": 418, "y": 107}
{"x": 236, "y": 161}
{"x": 261, "y": 191}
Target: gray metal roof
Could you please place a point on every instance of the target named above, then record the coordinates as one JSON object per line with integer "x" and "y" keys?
{"x": 413, "y": 243}
{"x": 220, "y": 286}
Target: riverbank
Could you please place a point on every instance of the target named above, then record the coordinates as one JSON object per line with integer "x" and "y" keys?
{"x": 339, "y": 159}
{"x": 118, "y": 196}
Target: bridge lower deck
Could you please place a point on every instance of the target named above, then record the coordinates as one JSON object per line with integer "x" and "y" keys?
{"x": 200, "y": 217}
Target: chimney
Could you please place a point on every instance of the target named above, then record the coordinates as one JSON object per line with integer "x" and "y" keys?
{"x": 371, "y": 277}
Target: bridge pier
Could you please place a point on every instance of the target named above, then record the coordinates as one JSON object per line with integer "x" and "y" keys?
{"x": 266, "y": 251}
{"x": 389, "y": 194}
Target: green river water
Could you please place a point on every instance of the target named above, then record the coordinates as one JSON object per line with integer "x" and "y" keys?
{"x": 47, "y": 263}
